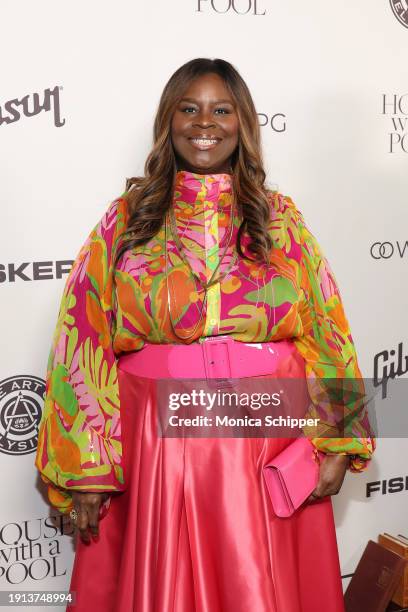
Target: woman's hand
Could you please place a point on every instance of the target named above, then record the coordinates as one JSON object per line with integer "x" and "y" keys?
{"x": 87, "y": 505}
{"x": 332, "y": 472}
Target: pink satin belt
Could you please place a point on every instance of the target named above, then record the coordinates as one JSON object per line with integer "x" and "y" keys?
{"x": 216, "y": 357}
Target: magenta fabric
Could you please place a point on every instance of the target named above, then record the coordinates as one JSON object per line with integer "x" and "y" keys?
{"x": 231, "y": 359}
{"x": 195, "y": 530}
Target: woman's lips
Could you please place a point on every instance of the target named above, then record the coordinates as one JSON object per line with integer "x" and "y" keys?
{"x": 203, "y": 144}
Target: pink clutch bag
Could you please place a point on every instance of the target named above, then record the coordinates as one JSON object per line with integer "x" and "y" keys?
{"x": 292, "y": 476}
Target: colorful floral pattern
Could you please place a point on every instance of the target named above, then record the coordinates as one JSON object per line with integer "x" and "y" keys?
{"x": 106, "y": 311}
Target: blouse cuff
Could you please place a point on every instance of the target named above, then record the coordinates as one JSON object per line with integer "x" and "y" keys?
{"x": 61, "y": 499}
{"x": 360, "y": 450}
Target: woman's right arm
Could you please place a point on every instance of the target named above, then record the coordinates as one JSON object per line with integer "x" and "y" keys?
{"x": 79, "y": 443}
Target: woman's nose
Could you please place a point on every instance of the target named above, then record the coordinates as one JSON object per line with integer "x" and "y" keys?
{"x": 204, "y": 119}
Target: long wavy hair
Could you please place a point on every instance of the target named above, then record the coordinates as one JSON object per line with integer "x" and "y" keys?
{"x": 151, "y": 197}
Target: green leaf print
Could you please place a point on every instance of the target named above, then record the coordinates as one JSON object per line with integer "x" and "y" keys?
{"x": 62, "y": 391}
{"x": 99, "y": 380}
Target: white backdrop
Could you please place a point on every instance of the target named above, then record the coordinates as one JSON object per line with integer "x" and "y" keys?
{"x": 328, "y": 81}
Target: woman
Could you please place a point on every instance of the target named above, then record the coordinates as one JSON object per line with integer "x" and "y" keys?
{"x": 195, "y": 250}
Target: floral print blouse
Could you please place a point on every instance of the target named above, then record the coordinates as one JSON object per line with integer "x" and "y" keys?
{"x": 107, "y": 311}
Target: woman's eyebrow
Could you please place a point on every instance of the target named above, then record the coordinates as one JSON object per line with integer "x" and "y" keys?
{"x": 194, "y": 100}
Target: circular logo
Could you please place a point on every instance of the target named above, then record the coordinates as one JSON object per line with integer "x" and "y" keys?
{"x": 400, "y": 10}
{"x": 21, "y": 402}
{"x": 382, "y": 250}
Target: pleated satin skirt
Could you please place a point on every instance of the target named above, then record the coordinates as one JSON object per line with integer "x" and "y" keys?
{"x": 195, "y": 530}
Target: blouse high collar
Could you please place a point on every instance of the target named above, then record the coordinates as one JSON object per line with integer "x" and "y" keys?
{"x": 191, "y": 187}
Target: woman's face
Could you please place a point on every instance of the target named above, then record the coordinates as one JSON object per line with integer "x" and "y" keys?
{"x": 204, "y": 127}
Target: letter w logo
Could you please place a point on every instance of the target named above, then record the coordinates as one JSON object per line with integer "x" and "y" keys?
{"x": 402, "y": 252}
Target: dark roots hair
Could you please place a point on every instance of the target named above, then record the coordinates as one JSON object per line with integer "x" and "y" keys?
{"x": 151, "y": 198}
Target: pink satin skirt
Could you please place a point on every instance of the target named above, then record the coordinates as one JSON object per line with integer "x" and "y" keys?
{"x": 195, "y": 530}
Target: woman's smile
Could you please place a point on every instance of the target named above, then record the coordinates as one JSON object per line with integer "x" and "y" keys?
{"x": 203, "y": 142}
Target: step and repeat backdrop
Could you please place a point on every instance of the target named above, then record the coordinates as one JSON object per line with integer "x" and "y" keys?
{"x": 79, "y": 88}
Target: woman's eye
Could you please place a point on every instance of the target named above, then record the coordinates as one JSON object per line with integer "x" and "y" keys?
{"x": 191, "y": 109}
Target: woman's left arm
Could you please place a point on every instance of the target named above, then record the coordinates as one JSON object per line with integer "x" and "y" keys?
{"x": 334, "y": 378}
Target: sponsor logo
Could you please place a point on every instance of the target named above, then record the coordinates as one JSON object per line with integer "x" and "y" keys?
{"x": 31, "y": 549}
{"x": 400, "y": 10}
{"x": 31, "y": 105}
{"x": 389, "y": 365}
{"x": 396, "y": 106}
{"x": 276, "y": 121}
{"x": 386, "y": 250}
{"x": 392, "y": 485}
{"x": 21, "y": 402}
{"x": 241, "y": 7}
{"x": 34, "y": 270}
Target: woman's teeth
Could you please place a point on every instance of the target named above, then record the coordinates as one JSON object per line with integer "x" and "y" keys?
{"x": 204, "y": 141}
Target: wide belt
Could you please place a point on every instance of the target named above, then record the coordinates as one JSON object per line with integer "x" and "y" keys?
{"x": 219, "y": 357}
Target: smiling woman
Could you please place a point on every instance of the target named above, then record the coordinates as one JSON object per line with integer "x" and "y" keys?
{"x": 205, "y": 126}
{"x": 196, "y": 271}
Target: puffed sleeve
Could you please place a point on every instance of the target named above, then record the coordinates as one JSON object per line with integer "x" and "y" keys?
{"x": 79, "y": 442}
{"x": 335, "y": 383}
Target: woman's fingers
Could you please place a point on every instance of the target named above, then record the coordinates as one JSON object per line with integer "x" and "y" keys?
{"x": 93, "y": 520}
{"x": 87, "y": 505}
{"x": 82, "y": 525}
{"x": 331, "y": 475}
{"x": 313, "y": 496}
